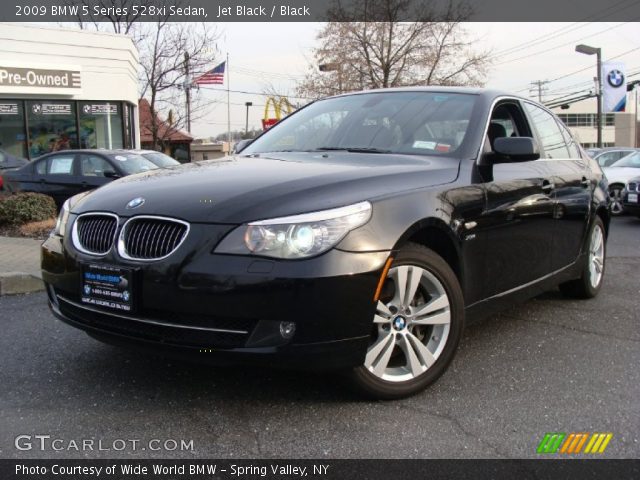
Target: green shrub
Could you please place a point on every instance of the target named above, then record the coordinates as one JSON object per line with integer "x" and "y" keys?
{"x": 22, "y": 208}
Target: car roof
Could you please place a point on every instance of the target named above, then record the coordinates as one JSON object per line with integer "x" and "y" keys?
{"x": 485, "y": 92}
{"x": 615, "y": 149}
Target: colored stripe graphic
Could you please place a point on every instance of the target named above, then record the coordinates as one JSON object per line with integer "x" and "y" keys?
{"x": 598, "y": 443}
{"x": 572, "y": 443}
{"x": 551, "y": 442}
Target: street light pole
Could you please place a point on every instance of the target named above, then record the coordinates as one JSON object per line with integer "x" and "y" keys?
{"x": 587, "y": 50}
{"x": 246, "y": 124}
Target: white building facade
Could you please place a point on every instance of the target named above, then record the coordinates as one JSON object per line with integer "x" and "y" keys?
{"x": 64, "y": 88}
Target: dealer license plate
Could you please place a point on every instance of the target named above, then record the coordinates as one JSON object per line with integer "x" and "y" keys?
{"x": 632, "y": 198}
{"x": 107, "y": 286}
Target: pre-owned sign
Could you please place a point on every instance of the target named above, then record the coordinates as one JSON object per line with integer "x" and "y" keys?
{"x": 39, "y": 77}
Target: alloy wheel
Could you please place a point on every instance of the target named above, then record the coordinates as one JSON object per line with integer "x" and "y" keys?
{"x": 615, "y": 193}
{"x": 411, "y": 325}
{"x": 596, "y": 256}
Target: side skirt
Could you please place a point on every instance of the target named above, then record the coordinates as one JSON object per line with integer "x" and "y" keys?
{"x": 489, "y": 306}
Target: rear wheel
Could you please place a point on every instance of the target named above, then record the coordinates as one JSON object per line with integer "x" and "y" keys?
{"x": 590, "y": 281}
{"x": 416, "y": 328}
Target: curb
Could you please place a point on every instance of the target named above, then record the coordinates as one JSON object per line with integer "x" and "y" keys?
{"x": 15, "y": 283}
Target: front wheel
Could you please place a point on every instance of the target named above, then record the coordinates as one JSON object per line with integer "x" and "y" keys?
{"x": 416, "y": 328}
{"x": 615, "y": 193}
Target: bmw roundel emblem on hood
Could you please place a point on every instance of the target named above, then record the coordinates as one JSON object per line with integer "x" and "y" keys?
{"x": 136, "y": 202}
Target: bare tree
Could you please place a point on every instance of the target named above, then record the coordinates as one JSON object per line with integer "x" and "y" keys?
{"x": 163, "y": 69}
{"x": 162, "y": 46}
{"x": 120, "y": 18}
{"x": 432, "y": 50}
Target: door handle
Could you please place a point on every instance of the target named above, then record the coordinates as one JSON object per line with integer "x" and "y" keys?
{"x": 547, "y": 186}
{"x": 586, "y": 183}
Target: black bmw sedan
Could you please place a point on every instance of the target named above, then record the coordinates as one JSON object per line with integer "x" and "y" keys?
{"x": 65, "y": 173}
{"x": 361, "y": 233}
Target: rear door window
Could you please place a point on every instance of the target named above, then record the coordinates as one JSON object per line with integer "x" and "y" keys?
{"x": 60, "y": 165}
{"x": 549, "y": 134}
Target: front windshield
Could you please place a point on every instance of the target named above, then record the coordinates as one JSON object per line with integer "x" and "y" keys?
{"x": 632, "y": 160}
{"x": 160, "y": 159}
{"x": 417, "y": 123}
{"x": 132, "y": 163}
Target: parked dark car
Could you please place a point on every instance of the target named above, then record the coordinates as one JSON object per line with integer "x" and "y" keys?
{"x": 162, "y": 160}
{"x": 64, "y": 174}
{"x": 10, "y": 161}
{"x": 361, "y": 233}
{"x": 631, "y": 197}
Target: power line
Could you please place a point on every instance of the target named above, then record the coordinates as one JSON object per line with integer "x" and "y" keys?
{"x": 583, "y": 69}
{"x": 564, "y": 30}
{"x": 561, "y": 45}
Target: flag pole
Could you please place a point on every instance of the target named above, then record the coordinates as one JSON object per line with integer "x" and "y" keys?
{"x": 228, "y": 106}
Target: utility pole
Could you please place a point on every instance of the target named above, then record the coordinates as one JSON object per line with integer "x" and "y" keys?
{"x": 246, "y": 124}
{"x": 539, "y": 86}
{"x": 187, "y": 91}
{"x": 587, "y": 50}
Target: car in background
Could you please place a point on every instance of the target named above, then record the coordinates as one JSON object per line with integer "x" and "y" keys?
{"x": 64, "y": 174}
{"x": 162, "y": 160}
{"x": 619, "y": 174}
{"x": 610, "y": 155}
{"x": 631, "y": 197}
{"x": 10, "y": 161}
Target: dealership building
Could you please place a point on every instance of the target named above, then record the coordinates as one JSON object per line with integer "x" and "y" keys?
{"x": 64, "y": 88}
{"x": 619, "y": 129}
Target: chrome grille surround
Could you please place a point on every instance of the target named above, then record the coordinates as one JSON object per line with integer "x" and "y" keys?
{"x": 148, "y": 238}
{"x": 93, "y": 235}
{"x": 633, "y": 187}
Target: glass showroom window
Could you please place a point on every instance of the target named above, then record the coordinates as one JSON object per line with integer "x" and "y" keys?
{"x": 52, "y": 126}
{"x": 101, "y": 125}
{"x": 12, "y": 136}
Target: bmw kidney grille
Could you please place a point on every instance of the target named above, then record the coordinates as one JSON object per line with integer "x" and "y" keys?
{"x": 143, "y": 238}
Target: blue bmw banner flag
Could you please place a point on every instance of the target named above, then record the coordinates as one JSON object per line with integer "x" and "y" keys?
{"x": 614, "y": 87}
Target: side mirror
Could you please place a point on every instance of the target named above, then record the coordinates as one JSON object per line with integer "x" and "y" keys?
{"x": 515, "y": 149}
{"x": 111, "y": 174}
{"x": 241, "y": 145}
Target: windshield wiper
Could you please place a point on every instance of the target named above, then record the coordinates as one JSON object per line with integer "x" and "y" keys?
{"x": 353, "y": 149}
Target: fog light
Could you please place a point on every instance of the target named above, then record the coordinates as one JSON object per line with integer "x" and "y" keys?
{"x": 287, "y": 329}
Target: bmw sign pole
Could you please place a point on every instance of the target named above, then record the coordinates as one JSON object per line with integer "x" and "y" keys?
{"x": 587, "y": 50}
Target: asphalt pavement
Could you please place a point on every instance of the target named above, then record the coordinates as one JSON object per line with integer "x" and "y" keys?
{"x": 549, "y": 365}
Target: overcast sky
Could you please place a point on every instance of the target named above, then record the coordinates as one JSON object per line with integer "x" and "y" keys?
{"x": 278, "y": 54}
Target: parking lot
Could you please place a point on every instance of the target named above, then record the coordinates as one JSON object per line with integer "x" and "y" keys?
{"x": 550, "y": 365}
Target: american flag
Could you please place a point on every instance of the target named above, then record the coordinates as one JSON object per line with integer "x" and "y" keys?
{"x": 212, "y": 77}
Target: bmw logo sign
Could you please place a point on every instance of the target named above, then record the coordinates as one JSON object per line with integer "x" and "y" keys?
{"x": 399, "y": 322}
{"x": 125, "y": 296}
{"x": 136, "y": 202}
{"x": 87, "y": 289}
{"x": 615, "y": 78}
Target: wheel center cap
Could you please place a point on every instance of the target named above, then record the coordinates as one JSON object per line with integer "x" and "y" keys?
{"x": 399, "y": 323}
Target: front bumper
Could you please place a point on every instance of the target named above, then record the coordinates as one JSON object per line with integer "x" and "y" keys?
{"x": 225, "y": 308}
{"x": 631, "y": 207}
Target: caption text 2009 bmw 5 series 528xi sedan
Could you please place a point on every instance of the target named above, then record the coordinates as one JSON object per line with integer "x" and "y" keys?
{"x": 360, "y": 233}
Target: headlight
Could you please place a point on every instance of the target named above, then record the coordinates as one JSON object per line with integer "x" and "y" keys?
{"x": 63, "y": 217}
{"x": 297, "y": 236}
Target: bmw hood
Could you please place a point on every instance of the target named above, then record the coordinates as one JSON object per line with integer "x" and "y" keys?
{"x": 620, "y": 174}
{"x": 237, "y": 190}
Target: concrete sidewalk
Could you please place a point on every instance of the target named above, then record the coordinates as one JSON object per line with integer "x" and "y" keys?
{"x": 19, "y": 265}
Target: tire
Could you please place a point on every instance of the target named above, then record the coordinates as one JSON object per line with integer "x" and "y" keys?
{"x": 615, "y": 193}
{"x": 412, "y": 342}
{"x": 593, "y": 268}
